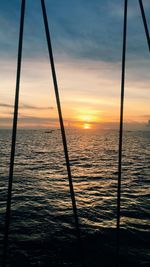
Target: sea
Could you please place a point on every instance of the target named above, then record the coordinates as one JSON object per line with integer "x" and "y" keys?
{"x": 42, "y": 227}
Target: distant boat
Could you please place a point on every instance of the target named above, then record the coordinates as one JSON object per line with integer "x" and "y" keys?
{"x": 49, "y": 131}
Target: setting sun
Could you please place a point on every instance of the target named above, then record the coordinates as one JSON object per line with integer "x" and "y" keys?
{"x": 86, "y": 126}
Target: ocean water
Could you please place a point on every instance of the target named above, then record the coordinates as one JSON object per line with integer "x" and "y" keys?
{"x": 42, "y": 231}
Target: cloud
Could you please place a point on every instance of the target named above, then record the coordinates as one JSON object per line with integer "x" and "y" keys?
{"x": 3, "y": 105}
{"x": 147, "y": 116}
{"x": 25, "y": 106}
{"x": 29, "y": 122}
{"x": 87, "y": 44}
{"x": 81, "y": 29}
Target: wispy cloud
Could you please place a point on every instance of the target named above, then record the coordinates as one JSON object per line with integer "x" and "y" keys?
{"x": 87, "y": 43}
{"x": 81, "y": 29}
{"x": 25, "y": 106}
{"x": 30, "y": 121}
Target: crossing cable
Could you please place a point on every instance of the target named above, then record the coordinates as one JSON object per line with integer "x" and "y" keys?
{"x": 64, "y": 139}
{"x": 145, "y": 23}
{"x": 121, "y": 125}
{"x": 14, "y": 132}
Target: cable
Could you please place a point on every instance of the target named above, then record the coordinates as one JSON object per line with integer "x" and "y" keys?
{"x": 14, "y": 132}
{"x": 145, "y": 23}
{"x": 121, "y": 126}
{"x": 62, "y": 127}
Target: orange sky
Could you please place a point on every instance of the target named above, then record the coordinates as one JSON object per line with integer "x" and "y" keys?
{"x": 88, "y": 64}
{"x": 89, "y": 93}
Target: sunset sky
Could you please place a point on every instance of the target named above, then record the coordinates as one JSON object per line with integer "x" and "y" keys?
{"x": 87, "y": 43}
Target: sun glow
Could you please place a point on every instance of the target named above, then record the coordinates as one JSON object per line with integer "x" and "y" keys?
{"x": 87, "y": 115}
{"x": 86, "y": 126}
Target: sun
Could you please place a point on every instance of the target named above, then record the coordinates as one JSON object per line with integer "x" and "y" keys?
{"x": 86, "y": 126}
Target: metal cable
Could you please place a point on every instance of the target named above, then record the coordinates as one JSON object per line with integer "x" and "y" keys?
{"x": 145, "y": 23}
{"x": 14, "y": 132}
{"x": 121, "y": 125}
{"x": 64, "y": 139}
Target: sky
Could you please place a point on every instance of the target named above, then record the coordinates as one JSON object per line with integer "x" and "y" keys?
{"x": 87, "y": 45}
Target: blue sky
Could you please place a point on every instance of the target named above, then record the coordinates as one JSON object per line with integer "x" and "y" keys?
{"x": 81, "y": 28}
{"x": 86, "y": 35}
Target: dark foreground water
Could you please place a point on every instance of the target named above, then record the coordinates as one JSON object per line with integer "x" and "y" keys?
{"x": 42, "y": 231}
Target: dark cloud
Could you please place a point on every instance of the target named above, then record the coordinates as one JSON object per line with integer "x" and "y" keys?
{"x": 146, "y": 116}
{"x": 29, "y": 119}
{"x": 81, "y": 29}
{"x": 25, "y": 106}
{"x": 3, "y": 105}
{"x": 34, "y": 119}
